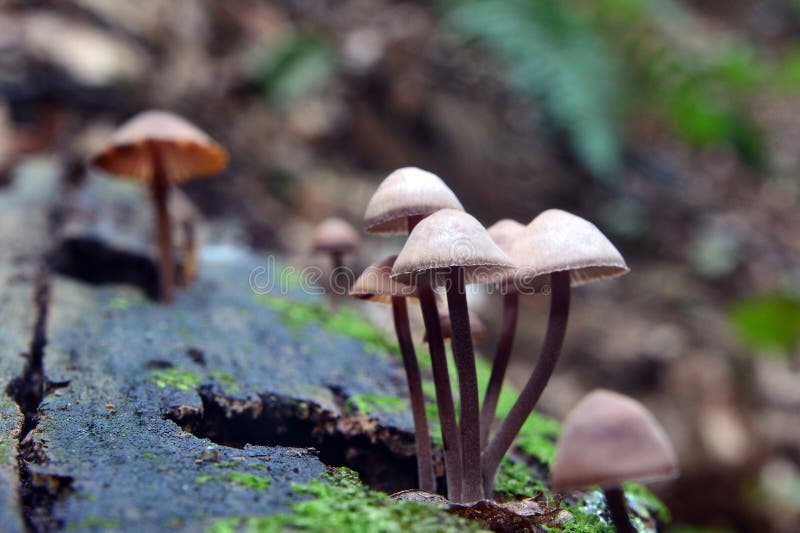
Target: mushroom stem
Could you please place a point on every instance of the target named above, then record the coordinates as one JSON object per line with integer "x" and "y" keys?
{"x": 337, "y": 258}
{"x": 548, "y": 357}
{"x": 500, "y": 363}
{"x": 427, "y": 480}
{"x": 160, "y": 190}
{"x": 615, "y": 498}
{"x": 464, "y": 355}
{"x": 444, "y": 395}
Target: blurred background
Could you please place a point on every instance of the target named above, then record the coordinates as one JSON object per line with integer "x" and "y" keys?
{"x": 673, "y": 125}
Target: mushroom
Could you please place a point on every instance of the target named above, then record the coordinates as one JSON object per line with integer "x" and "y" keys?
{"x": 558, "y": 248}
{"x": 503, "y": 233}
{"x": 161, "y": 149}
{"x": 337, "y": 237}
{"x": 406, "y": 196}
{"x": 477, "y": 328}
{"x": 375, "y": 285}
{"x": 453, "y": 248}
{"x": 608, "y": 439}
{"x": 402, "y": 200}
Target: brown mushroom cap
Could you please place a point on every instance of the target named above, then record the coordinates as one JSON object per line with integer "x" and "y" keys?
{"x": 556, "y": 241}
{"x": 406, "y": 192}
{"x": 477, "y": 327}
{"x": 375, "y": 284}
{"x": 608, "y": 439}
{"x": 187, "y": 152}
{"x": 334, "y": 235}
{"x": 450, "y": 238}
{"x": 504, "y": 232}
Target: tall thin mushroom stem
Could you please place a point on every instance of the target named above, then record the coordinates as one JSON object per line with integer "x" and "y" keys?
{"x": 500, "y": 363}
{"x": 444, "y": 395}
{"x": 551, "y": 348}
{"x": 615, "y": 498}
{"x": 427, "y": 480}
{"x": 160, "y": 190}
{"x": 464, "y": 355}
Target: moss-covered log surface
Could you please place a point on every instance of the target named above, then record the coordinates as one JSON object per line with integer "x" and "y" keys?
{"x": 226, "y": 411}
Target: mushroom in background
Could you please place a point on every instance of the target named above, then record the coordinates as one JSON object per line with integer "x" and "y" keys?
{"x": 161, "y": 149}
{"x": 452, "y": 248}
{"x": 375, "y": 284}
{"x": 503, "y": 233}
{"x": 336, "y": 237}
{"x": 557, "y": 249}
{"x": 608, "y": 439}
{"x": 402, "y": 200}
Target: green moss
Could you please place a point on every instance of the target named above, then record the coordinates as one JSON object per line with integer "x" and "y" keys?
{"x": 227, "y": 381}
{"x": 515, "y": 481}
{"x": 149, "y": 456}
{"x": 643, "y": 501}
{"x": 341, "y": 503}
{"x": 537, "y": 438}
{"x": 369, "y": 404}
{"x": 121, "y": 303}
{"x": 175, "y": 378}
{"x": 249, "y": 480}
{"x": 298, "y": 315}
{"x": 94, "y": 522}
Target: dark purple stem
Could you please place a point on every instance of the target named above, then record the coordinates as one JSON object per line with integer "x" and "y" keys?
{"x": 551, "y": 348}
{"x": 464, "y": 355}
{"x": 160, "y": 191}
{"x": 615, "y": 498}
{"x": 444, "y": 395}
{"x": 427, "y": 480}
{"x": 499, "y": 364}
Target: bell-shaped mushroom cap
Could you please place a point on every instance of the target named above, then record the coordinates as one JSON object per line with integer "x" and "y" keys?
{"x": 556, "y": 241}
{"x": 450, "y": 238}
{"x": 407, "y": 192}
{"x": 477, "y": 328}
{"x": 504, "y": 232}
{"x": 375, "y": 284}
{"x": 187, "y": 152}
{"x": 609, "y": 438}
{"x": 334, "y": 235}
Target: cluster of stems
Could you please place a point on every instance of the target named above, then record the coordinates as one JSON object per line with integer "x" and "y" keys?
{"x": 471, "y": 458}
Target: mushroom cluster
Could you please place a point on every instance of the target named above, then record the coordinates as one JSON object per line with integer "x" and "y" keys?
{"x": 447, "y": 249}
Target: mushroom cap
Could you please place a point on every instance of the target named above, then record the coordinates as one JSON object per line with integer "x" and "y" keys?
{"x": 187, "y": 152}
{"x": 608, "y": 439}
{"x": 477, "y": 328}
{"x": 504, "y": 232}
{"x": 406, "y": 192}
{"x": 375, "y": 284}
{"x": 556, "y": 241}
{"x": 451, "y": 238}
{"x": 334, "y": 235}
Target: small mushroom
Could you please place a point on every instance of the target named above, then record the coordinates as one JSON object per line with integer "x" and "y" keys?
{"x": 608, "y": 439}
{"x": 559, "y": 249}
{"x": 450, "y": 247}
{"x": 337, "y": 237}
{"x": 376, "y": 285}
{"x": 503, "y": 233}
{"x": 161, "y": 149}
{"x": 405, "y": 197}
{"x": 402, "y": 200}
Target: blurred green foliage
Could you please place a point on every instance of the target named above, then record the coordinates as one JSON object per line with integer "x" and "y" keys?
{"x": 544, "y": 47}
{"x": 595, "y": 66}
{"x": 291, "y": 68}
{"x": 769, "y": 324}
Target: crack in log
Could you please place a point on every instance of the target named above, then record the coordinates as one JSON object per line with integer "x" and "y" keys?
{"x": 383, "y": 456}
{"x": 37, "y": 492}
